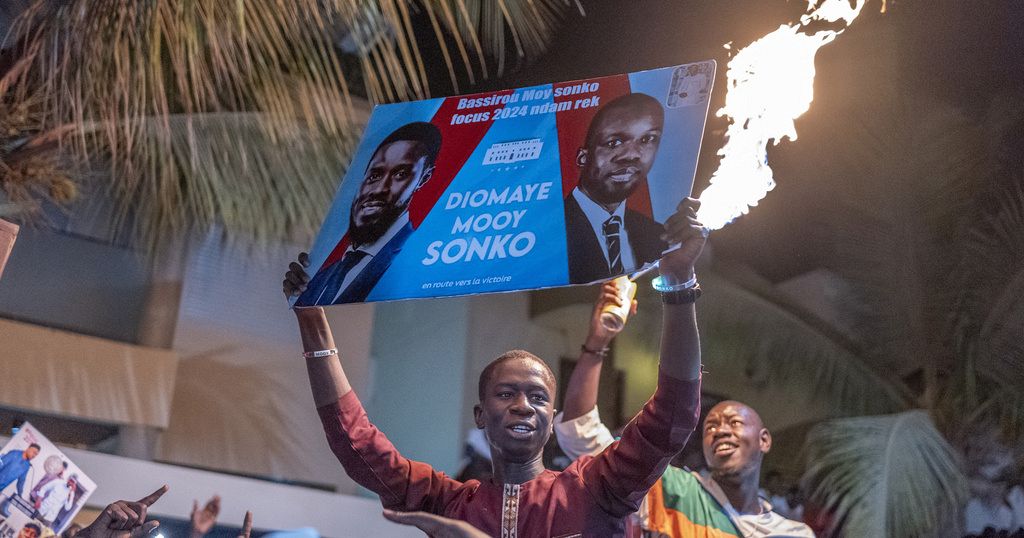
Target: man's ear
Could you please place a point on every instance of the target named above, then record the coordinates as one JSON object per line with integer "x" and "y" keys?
{"x": 428, "y": 172}
{"x": 478, "y": 416}
{"x": 581, "y": 157}
{"x": 766, "y": 440}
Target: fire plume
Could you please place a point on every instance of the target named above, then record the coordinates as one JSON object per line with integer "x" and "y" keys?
{"x": 770, "y": 84}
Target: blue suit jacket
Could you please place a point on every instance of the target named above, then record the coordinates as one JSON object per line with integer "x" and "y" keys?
{"x": 364, "y": 282}
{"x": 13, "y": 466}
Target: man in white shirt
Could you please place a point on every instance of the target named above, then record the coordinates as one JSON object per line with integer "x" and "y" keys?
{"x": 722, "y": 503}
{"x": 604, "y": 237}
{"x": 56, "y": 495}
{"x": 379, "y": 219}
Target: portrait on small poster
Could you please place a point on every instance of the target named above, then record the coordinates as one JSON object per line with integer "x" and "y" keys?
{"x": 41, "y": 489}
{"x": 550, "y": 185}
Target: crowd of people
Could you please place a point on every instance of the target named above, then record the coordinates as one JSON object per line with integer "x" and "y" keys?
{"x": 611, "y": 485}
{"x": 621, "y": 486}
{"x": 624, "y": 485}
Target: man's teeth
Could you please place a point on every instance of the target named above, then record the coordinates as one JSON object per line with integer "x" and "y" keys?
{"x": 521, "y": 429}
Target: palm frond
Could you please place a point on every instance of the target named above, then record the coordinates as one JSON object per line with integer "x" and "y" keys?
{"x": 530, "y": 25}
{"x": 747, "y": 327}
{"x": 892, "y": 475}
{"x": 901, "y": 181}
{"x": 991, "y": 311}
{"x": 132, "y": 77}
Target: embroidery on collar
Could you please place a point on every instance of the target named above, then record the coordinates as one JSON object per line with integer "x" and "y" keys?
{"x": 510, "y": 511}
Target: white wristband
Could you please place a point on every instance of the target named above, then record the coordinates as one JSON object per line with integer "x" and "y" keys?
{"x": 320, "y": 353}
{"x": 661, "y": 285}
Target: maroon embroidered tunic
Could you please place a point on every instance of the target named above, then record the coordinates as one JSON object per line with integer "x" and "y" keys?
{"x": 591, "y": 497}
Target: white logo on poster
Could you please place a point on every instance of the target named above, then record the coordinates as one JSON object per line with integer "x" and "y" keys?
{"x": 511, "y": 152}
{"x": 690, "y": 84}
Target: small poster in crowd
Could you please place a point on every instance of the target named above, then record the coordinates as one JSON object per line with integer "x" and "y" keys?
{"x": 564, "y": 183}
{"x": 8, "y": 233}
{"x": 41, "y": 490}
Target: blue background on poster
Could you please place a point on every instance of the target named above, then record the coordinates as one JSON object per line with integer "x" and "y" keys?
{"x": 671, "y": 176}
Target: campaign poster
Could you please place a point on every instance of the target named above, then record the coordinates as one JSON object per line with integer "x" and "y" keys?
{"x": 550, "y": 185}
{"x": 8, "y": 233}
{"x": 41, "y": 490}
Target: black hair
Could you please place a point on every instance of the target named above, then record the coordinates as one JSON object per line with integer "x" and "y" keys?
{"x": 630, "y": 100}
{"x": 35, "y": 527}
{"x": 488, "y": 372}
{"x": 425, "y": 133}
{"x": 36, "y": 446}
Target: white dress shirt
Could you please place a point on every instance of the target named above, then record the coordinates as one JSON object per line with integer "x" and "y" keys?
{"x": 56, "y": 495}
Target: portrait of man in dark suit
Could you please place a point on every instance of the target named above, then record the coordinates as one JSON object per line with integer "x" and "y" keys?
{"x": 604, "y": 237}
{"x": 379, "y": 219}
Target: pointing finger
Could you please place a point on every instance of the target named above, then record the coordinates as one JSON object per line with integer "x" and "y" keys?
{"x": 246, "y": 525}
{"x": 148, "y": 500}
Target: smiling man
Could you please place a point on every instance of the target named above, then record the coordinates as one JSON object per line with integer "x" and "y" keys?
{"x": 604, "y": 237}
{"x": 379, "y": 219}
{"x": 686, "y": 504}
{"x": 594, "y": 495}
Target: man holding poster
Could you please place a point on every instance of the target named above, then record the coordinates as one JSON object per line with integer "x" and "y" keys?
{"x": 604, "y": 237}
{"x": 593, "y": 496}
{"x": 379, "y": 221}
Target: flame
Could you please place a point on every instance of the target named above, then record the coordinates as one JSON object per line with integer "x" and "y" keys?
{"x": 770, "y": 84}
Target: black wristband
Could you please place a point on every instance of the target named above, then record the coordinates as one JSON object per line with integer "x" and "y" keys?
{"x": 603, "y": 352}
{"x": 687, "y": 296}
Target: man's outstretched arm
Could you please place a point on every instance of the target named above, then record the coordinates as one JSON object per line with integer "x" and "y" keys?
{"x": 578, "y": 427}
{"x": 621, "y": 475}
{"x": 368, "y": 456}
{"x": 581, "y": 394}
{"x": 327, "y": 378}
{"x": 680, "y": 345}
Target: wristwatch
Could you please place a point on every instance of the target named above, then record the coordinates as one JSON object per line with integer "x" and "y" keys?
{"x": 684, "y": 296}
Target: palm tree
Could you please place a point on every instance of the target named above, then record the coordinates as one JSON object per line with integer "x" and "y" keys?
{"x": 235, "y": 114}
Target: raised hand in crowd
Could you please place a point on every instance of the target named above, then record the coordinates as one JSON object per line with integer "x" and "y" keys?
{"x": 124, "y": 519}
{"x": 581, "y": 395}
{"x": 246, "y": 525}
{"x": 435, "y": 526}
{"x": 683, "y": 229}
{"x": 296, "y": 278}
{"x": 203, "y": 519}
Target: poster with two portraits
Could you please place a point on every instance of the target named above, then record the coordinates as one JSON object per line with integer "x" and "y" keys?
{"x": 536, "y": 187}
{"x": 41, "y": 489}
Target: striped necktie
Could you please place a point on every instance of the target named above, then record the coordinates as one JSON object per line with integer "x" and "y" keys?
{"x": 611, "y": 228}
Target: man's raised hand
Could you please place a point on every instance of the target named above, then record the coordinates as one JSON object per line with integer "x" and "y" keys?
{"x": 684, "y": 229}
{"x": 246, "y": 525}
{"x": 296, "y": 278}
{"x": 203, "y": 519}
{"x": 124, "y": 519}
{"x": 601, "y": 335}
